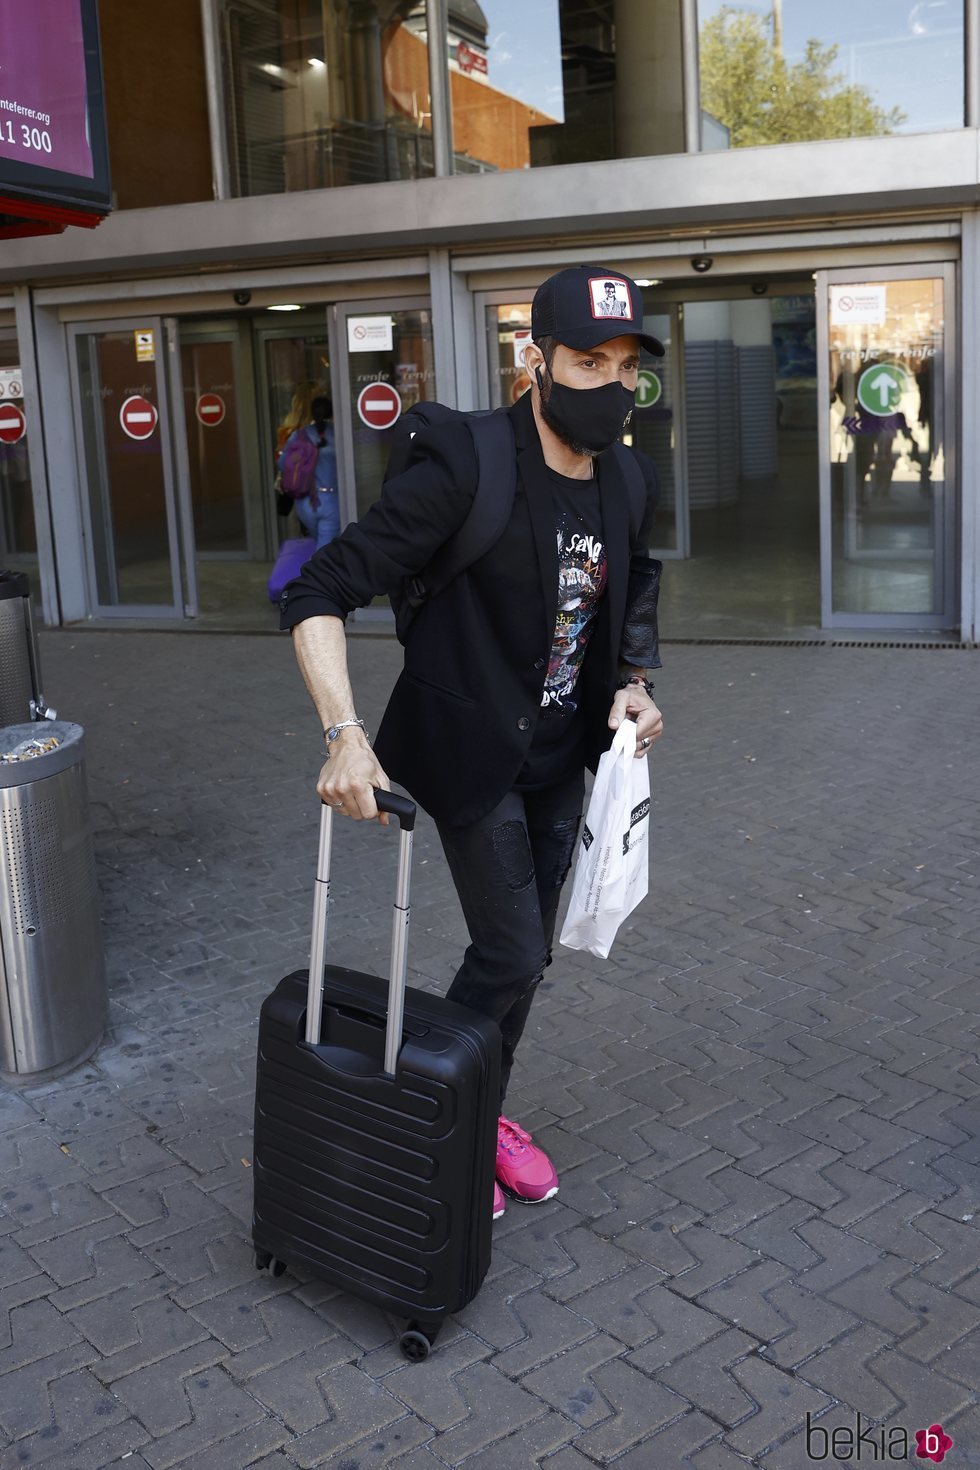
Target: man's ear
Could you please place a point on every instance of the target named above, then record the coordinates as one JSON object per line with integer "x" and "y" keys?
{"x": 533, "y": 358}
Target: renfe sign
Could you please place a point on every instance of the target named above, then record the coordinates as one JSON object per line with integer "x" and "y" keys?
{"x": 53, "y": 157}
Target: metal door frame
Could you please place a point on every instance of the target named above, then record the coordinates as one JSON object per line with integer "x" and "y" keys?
{"x": 500, "y": 297}
{"x": 945, "y": 586}
{"x": 181, "y": 558}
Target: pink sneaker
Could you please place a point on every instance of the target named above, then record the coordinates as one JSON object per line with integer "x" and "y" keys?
{"x": 499, "y": 1204}
{"x": 523, "y": 1171}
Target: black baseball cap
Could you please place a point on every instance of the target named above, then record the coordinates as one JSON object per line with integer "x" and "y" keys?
{"x": 588, "y": 304}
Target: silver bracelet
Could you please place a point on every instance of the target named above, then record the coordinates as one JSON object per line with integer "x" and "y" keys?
{"x": 334, "y": 730}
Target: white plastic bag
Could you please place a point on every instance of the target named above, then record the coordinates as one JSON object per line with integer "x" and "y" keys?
{"x": 612, "y": 872}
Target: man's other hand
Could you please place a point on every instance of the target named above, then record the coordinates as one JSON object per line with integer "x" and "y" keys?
{"x": 634, "y": 703}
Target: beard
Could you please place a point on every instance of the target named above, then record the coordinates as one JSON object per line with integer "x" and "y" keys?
{"x": 559, "y": 431}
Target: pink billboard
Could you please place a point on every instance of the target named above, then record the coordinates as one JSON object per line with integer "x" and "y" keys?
{"x": 43, "y": 86}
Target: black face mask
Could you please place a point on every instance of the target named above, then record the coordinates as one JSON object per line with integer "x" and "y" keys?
{"x": 591, "y": 417}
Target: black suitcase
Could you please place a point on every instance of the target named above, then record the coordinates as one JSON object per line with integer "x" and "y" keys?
{"x": 376, "y": 1126}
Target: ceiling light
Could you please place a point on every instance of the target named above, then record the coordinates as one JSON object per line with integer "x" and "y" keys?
{"x": 316, "y": 63}
{"x": 648, "y": 283}
{"x": 293, "y": 306}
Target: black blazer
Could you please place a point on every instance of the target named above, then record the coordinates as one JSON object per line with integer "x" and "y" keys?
{"x": 461, "y": 717}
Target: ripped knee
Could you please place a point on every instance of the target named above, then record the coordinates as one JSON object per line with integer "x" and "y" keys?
{"x": 513, "y": 852}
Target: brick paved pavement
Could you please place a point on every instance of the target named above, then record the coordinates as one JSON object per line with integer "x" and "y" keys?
{"x": 765, "y": 1107}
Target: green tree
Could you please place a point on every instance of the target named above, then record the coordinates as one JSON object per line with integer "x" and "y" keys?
{"x": 747, "y": 84}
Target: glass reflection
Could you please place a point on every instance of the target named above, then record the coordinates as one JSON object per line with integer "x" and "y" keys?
{"x": 886, "y": 424}
{"x": 784, "y": 71}
{"x": 323, "y": 93}
{"x": 563, "y": 81}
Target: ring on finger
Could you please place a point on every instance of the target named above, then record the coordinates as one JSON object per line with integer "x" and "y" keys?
{"x": 645, "y": 741}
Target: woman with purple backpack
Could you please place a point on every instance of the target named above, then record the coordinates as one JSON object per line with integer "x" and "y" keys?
{"x": 319, "y": 511}
{"x": 307, "y": 465}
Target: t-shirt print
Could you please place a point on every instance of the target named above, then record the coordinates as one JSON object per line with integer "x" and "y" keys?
{"x": 581, "y": 583}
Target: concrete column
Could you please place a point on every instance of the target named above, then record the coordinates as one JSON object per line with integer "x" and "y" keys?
{"x": 649, "y": 97}
{"x": 441, "y": 289}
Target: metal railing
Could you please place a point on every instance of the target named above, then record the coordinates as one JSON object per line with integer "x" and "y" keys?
{"x": 339, "y": 153}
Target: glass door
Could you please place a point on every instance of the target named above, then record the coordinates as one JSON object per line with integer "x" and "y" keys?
{"x": 657, "y": 426}
{"x": 139, "y": 542}
{"x": 886, "y": 361}
{"x": 389, "y": 364}
{"x": 293, "y": 368}
{"x": 386, "y": 363}
{"x": 18, "y": 542}
{"x": 223, "y": 500}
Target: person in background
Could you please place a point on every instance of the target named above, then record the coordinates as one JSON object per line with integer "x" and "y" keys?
{"x": 300, "y": 413}
{"x": 320, "y": 513}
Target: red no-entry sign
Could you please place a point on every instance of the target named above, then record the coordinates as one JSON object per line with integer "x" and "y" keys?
{"x": 378, "y": 405}
{"x": 138, "y": 417}
{"x": 210, "y": 408}
{"x": 13, "y": 425}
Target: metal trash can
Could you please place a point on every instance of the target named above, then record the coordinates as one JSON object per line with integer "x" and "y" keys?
{"x": 54, "y": 999}
{"x": 20, "y": 667}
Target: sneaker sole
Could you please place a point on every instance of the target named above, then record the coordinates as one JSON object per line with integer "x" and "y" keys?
{"x": 522, "y": 1199}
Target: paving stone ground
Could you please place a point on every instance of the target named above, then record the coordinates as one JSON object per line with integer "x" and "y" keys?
{"x": 765, "y": 1106}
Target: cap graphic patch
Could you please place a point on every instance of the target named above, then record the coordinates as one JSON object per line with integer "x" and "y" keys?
{"x": 610, "y": 298}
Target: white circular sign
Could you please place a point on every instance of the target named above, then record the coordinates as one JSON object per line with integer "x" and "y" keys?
{"x": 138, "y": 417}
{"x": 379, "y": 405}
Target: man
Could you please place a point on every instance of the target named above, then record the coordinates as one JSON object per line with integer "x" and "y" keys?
{"x": 612, "y": 304}
{"x": 513, "y": 673}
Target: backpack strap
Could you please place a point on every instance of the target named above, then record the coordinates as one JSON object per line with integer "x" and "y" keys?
{"x": 493, "y": 501}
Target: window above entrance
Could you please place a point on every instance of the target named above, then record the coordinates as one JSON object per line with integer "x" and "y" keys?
{"x": 786, "y": 71}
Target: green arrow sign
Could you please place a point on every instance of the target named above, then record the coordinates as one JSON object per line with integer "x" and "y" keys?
{"x": 648, "y": 388}
{"x": 880, "y": 388}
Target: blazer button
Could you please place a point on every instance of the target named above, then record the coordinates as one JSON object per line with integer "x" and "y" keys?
{"x": 539, "y": 663}
{"x": 523, "y": 723}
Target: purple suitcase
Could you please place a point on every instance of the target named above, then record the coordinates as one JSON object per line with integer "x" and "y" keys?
{"x": 293, "y": 554}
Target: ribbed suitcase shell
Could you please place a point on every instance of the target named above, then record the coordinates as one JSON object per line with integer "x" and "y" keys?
{"x": 380, "y": 1184}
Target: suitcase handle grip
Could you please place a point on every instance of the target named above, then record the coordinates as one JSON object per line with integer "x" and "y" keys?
{"x": 399, "y": 806}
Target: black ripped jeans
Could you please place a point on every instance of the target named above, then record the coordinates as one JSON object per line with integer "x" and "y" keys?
{"x": 508, "y": 869}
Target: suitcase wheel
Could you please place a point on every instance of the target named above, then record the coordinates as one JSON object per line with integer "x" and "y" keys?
{"x": 266, "y": 1261}
{"x": 415, "y": 1344}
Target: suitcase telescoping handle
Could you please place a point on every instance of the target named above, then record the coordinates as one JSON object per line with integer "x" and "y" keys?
{"x": 404, "y": 810}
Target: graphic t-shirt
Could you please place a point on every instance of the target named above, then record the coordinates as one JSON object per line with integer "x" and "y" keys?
{"x": 556, "y": 748}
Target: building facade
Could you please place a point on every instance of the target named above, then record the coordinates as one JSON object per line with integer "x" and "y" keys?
{"x": 361, "y": 196}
